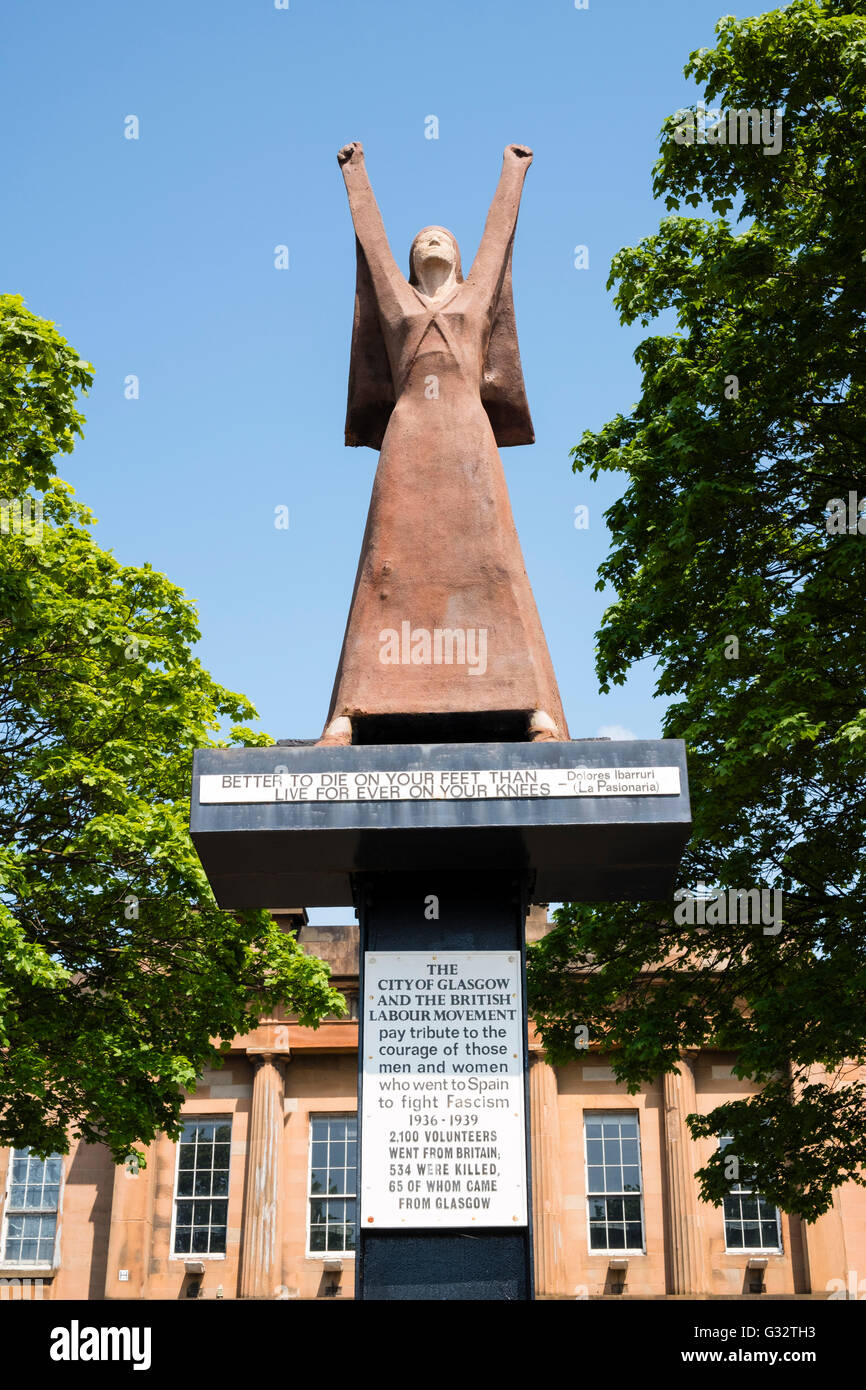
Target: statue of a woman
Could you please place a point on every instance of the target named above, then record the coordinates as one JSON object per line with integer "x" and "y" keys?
{"x": 442, "y": 619}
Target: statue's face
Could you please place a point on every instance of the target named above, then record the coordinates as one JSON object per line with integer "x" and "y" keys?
{"x": 433, "y": 246}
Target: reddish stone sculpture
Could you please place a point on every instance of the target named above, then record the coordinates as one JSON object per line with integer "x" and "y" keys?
{"x": 442, "y": 619}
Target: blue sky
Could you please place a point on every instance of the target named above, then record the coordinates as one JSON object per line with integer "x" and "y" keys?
{"x": 155, "y": 257}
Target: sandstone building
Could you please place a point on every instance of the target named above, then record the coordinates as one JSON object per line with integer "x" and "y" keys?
{"x": 258, "y": 1198}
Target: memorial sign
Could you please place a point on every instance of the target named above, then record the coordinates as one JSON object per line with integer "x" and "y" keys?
{"x": 443, "y": 1125}
{"x": 444, "y": 784}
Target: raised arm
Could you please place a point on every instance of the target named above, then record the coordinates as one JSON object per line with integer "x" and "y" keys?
{"x": 369, "y": 227}
{"x": 491, "y": 260}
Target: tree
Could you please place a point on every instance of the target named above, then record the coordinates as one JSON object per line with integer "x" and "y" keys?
{"x": 733, "y": 570}
{"x": 117, "y": 966}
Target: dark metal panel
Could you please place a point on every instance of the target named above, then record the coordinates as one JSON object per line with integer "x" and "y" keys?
{"x": 476, "y": 913}
{"x": 453, "y": 1265}
{"x": 271, "y": 853}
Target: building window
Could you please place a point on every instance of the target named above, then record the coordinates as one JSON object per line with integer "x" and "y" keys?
{"x": 30, "y": 1227}
{"x": 613, "y": 1181}
{"x": 202, "y": 1189}
{"x": 751, "y": 1223}
{"x": 351, "y": 998}
{"x": 333, "y": 1182}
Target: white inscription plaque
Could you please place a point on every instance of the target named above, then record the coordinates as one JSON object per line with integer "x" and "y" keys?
{"x": 444, "y": 784}
{"x": 443, "y": 1132}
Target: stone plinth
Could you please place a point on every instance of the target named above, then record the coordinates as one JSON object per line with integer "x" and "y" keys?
{"x": 257, "y": 853}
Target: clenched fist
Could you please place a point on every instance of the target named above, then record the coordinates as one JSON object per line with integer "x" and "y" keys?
{"x": 354, "y": 150}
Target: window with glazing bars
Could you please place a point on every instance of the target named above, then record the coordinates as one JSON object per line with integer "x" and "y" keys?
{"x": 333, "y": 1182}
{"x": 613, "y": 1181}
{"x": 751, "y": 1223}
{"x": 202, "y": 1189}
{"x": 30, "y": 1225}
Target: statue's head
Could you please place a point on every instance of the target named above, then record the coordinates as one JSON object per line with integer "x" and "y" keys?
{"x": 435, "y": 251}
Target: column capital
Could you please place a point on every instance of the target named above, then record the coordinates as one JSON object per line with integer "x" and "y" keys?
{"x": 260, "y": 1056}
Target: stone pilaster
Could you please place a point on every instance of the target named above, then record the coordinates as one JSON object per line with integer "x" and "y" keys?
{"x": 683, "y": 1234}
{"x": 824, "y": 1242}
{"x": 131, "y": 1228}
{"x": 546, "y": 1177}
{"x": 261, "y": 1271}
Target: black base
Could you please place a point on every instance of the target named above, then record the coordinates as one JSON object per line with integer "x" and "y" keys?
{"x": 450, "y": 1265}
{"x": 476, "y": 913}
